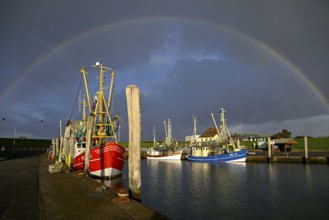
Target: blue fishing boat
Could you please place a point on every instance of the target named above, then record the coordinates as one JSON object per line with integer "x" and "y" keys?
{"x": 223, "y": 149}
{"x": 210, "y": 155}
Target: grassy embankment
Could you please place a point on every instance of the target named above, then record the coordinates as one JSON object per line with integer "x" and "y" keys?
{"x": 8, "y": 144}
{"x": 314, "y": 144}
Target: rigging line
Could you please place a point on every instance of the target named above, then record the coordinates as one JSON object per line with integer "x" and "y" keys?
{"x": 76, "y": 98}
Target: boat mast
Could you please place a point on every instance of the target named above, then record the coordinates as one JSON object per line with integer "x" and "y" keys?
{"x": 193, "y": 138}
{"x": 84, "y": 115}
{"x": 84, "y": 73}
{"x": 220, "y": 138}
{"x": 111, "y": 90}
{"x": 154, "y": 139}
{"x": 104, "y": 127}
{"x": 223, "y": 125}
{"x": 168, "y": 132}
{"x": 170, "y": 139}
{"x": 165, "y": 127}
{"x": 225, "y": 132}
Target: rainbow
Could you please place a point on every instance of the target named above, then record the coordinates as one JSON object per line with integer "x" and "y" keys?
{"x": 10, "y": 86}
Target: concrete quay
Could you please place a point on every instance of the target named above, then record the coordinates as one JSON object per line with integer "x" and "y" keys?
{"x": 29, "y": 191}
{"x": 315, "y": 157}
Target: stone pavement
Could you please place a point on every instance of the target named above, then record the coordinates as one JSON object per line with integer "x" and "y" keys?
{"x": 32, "y": 192}
{"x": 19, "y": 192}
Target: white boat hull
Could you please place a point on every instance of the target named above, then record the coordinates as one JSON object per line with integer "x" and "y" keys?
{"x": 175, "y": 156}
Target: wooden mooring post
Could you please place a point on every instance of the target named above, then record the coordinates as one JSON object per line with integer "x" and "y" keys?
{"x": 67, "y": 135}
{"x": 53, "y": 142}
{"x": 57, "y": 147}
{"x": 60, "y": 141}
{"x": 306, "y": 149}
{"x": 269, "y": 149}
{"x": 71, "y": 144}
{"x": 134, "y": 123}
{"x": 89, "y": 132}
{"x": 306, "y": 146}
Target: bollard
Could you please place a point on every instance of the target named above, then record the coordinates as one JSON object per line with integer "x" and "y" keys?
{"x": 134, "y": 124}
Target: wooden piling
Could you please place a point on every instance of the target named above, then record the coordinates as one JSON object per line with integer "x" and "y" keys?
{"x": 65, "y": 144}
{"x": 53, "y": 142}
{"x": 71, "y": 144}
{"x": 66, "y": 139}
{"x": 89, "y": 132}
{"x": 269, "y": 148}
{"x": 60, "y": 141}
{"x": 134, "y": 122}
{"x": 60, "y": 148}
{"x": 306, "y": 147}
{"x": 57, "y": 147}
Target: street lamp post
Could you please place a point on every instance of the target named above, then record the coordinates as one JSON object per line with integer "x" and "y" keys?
{"x": 41, "y": 128}
{"x": 3, "y": 120}
{"x": 16, "y": 125}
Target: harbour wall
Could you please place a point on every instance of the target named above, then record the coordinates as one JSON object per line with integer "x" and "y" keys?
{"x": 289, "y": 159}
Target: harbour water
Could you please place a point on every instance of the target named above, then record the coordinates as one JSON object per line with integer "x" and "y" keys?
{"x": 192, "y": 190}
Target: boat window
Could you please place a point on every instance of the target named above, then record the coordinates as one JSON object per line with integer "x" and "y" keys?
{"x": 84, "y": 145}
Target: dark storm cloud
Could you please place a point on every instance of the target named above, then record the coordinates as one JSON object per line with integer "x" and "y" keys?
{"x": 187, "y": 57}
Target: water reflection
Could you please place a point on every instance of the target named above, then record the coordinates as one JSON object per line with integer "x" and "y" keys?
{"x": 191, "y": 190}
{"x": 161, "y": 180}
{"x": 113, "y": 183}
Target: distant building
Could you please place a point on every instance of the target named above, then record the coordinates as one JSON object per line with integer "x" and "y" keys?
{"x": 278, "y": 145}
{"x": 189, "y": 138}
{"x": 209, "y": 135}
{"x": 254, "y": 137}
{"x": 283, "y": 144}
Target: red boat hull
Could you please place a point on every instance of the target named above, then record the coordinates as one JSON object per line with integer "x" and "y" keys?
{"x": 105, "y": 161}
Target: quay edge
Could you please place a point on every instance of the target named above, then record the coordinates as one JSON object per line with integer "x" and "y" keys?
{"x": 288, "y": 159}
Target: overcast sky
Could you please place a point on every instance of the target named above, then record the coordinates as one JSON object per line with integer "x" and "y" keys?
{"x": 265, "y": 62}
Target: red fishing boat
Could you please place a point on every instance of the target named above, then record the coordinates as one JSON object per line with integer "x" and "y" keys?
{"x": 106, "y": 161}
{"x": 107, "y": 157}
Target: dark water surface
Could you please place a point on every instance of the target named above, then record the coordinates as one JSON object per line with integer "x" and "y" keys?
{"x": 193, "y": 190}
